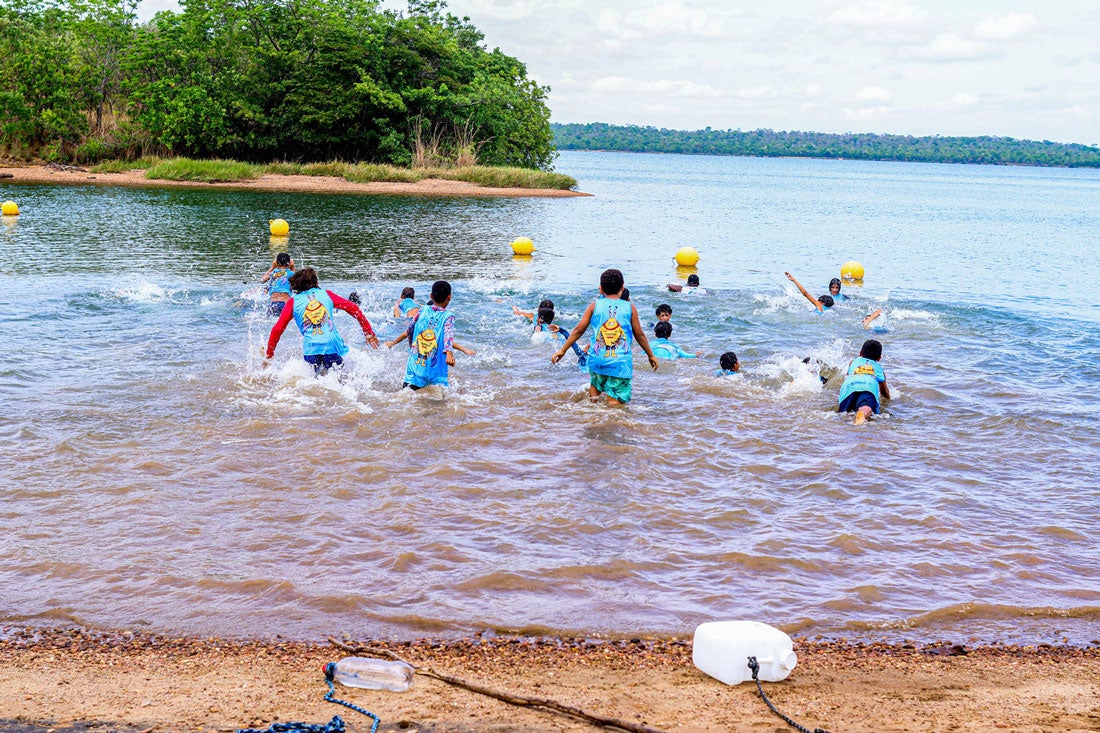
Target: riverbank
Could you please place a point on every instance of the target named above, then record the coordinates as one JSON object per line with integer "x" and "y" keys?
{"x": 280, "y": 182}
{"x": 60, "y": 678}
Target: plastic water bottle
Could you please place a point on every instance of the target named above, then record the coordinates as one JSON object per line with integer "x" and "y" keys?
{"x": 722, "y": 650}
{"x": 371, "y": 674}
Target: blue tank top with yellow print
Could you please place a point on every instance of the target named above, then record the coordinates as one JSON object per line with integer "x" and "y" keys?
{"x": 314, "y": 313}
{"x": 610, "y": 353}
{"x": 280, "y": 280}
{"x": 427, "y": 362}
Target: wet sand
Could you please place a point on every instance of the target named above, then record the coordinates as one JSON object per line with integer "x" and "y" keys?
{"x": 68, "y": 680}
{"x": 274, "y": 182}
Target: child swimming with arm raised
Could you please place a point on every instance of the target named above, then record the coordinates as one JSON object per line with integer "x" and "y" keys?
{"x": 822, "y": 304}
{"x": 543, "y": 319}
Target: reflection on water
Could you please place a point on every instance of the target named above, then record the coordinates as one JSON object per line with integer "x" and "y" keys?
{"x": 155, "y": 474}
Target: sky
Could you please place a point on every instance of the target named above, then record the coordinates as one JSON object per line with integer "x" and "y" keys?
{"x": 915, "y": 67}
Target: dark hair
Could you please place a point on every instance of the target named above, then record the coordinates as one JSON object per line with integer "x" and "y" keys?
{"x": 611, "y": 282}
{"x": 441, "y": 290}
{"x": 282, "y": 259}
{"x": 728, "y": 361}
{"x": 662, "y": 329}
{"x": 871, "y": 349}
{"x": 835, "y": 281}
{"x": 625, "y": 294}
{"x": 546, "y": 315}
{"x": 693, "y": 281}
{"x": 827, "y": 301}
{"x": 303, "y": 280}
{"x": 354, "y": 298}
{"x": 664, "y": 308}
{"x": 407, "y": 293}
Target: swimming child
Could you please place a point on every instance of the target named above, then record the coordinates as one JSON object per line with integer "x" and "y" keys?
{"x": 543, "y": 319}
{"x": 406, "y": 307}
{"x": 834, "y": 290}
{"x": 279, "y": 274}
{"x": 864, "y": 383}
{"x": 727, "y": 365}
{"x": 665, "y": 349}
{"x": 664, "y": 314}
{"x": 824, "y": 303}
{"x": 692, "y": 287}
{"x": 614, "y": 325}
{"x": 313, "y": 311}
{"x": 870, "y": 319}
{"x": 431, "y": 341}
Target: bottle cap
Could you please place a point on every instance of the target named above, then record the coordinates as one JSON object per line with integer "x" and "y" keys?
{"x": 330, "y": 670}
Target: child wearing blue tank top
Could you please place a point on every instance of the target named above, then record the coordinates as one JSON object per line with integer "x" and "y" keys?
{"x": 864, "y": 383}
{"x": 615, "y": 325}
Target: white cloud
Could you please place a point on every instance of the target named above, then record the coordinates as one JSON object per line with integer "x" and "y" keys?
{"x": 884, "y": 13}
{"x": 1005, "y": 28}
{"x": 812, "y": 90}
{"x": 953, "y": 47}
{"x": 666, "y": 87}
{"x": 862, "y": 114}
{"x": 669, "y": 19}
{"x": 872, "y": 94}
{"x": 963, "y": 99}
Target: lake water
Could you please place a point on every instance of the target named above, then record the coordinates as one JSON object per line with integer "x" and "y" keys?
{"x": 155, "y": 476}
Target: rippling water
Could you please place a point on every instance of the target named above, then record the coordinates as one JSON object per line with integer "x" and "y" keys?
{"x": 155, "y": 475}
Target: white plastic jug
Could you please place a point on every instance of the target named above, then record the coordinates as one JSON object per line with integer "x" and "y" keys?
{"x": 722, "y": 650}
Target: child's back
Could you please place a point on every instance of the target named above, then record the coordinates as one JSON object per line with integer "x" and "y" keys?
{"x": 864, "y": 384}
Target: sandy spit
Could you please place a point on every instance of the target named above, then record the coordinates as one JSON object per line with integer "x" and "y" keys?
{"x": 273, "y": 182}
{"x": 69, "y": 680}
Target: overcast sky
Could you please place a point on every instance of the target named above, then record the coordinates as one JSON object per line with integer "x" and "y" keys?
{"x": 951, "y": 67}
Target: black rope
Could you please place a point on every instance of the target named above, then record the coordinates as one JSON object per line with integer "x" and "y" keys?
{"x": 336, "y": 725}
{"x": 755, "y": 667}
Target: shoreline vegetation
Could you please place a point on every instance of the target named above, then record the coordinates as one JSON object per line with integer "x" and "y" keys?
{"x": 69, "y": 679}
{"x": 985, "y": 150}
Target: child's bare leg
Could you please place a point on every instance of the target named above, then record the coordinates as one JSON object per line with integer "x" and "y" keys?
{"x": 593, "y": 393}
{"x": 612, "y": 402}
{"x": 862, "y": 414}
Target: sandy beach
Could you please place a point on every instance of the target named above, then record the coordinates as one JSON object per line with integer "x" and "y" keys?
{"x": 273, "y": 182}
{"x": 70, "y": 679}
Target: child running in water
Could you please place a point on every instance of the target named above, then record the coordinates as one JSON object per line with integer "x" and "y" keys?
{"x": 614, "y": 325}
{"x": 406, "y": 307}
{"x": 431, "y": 341}
{"x": 279, "y": 274}
{"x": 313, "y": 311}
{"x": 665, "y": 349}
{"x": 864, "y": 383}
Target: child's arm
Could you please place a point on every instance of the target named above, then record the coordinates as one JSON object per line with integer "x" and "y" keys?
{"x": 805, "y": 293}
{"x": 884, "y": 390}
{"x": 278, "y": 328}
{"x": 526, "y": 314}
{"x": 869, "y": 319}
{"x": 463, "y": 349}
{"x": 687, "y": 354}
{"x": 675, "y": 287}
{"x": 267, "y": 275}
{"x": 577, "y": 332}
{"x": 396, "y": 311}
{"x": 640, "y": 337}
{"x": 396, "y": 341}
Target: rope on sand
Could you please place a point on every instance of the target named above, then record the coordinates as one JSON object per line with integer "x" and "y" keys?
{"x": 507, "y": 697}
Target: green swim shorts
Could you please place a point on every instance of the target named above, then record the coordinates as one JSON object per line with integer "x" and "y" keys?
{"x": 618, "y": 387}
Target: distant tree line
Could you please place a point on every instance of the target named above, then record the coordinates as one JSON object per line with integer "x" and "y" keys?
{"x": 262, "y": 80}
{"x": 860, "y": 146}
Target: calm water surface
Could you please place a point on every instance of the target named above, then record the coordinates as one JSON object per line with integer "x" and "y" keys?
{"x": 154, "y": 475}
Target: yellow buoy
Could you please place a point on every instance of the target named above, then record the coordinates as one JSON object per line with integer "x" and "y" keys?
{"x": 686, "y": 257}
{"x": 10, "y": 208}
{"x": 279, "y": 227}
{"x": 851, "y": 270}
{"x": 523, "y": 246}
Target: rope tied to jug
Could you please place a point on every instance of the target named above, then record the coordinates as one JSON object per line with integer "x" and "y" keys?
{"x": 336, "y": 725}
{"x": 755, "y": 667}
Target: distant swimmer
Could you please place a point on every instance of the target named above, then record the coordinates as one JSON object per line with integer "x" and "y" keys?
{"x": 313, "y": 310}
{"x": 864, "y": 383}
{"x": 279, "y": 276}
{"x": 610, "y": 357}
{"x": 692, "y": 287}
{"x": 664, "y": 348}
{"x": 543, "y": 320}
{"x": 406, "y": 306}
{"x": 822, "y": 304}
{"x": 834, "y": 290}
{"x": 727, "y": 364}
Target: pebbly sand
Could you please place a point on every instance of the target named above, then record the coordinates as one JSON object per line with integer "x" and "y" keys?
{"x": 70, "y": 679}
{"x": 273, "y": 182}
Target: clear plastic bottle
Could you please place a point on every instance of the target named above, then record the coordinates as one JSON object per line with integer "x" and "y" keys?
{"x": 722, "y": 648}
{"x": 371, "y": 674}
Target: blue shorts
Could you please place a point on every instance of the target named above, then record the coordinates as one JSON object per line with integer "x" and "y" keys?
{"x": 275, "y": 307}
{"x": 856, "y": 400}
{"x": 323, "y": 361}
{"x": 618, "y": 387}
